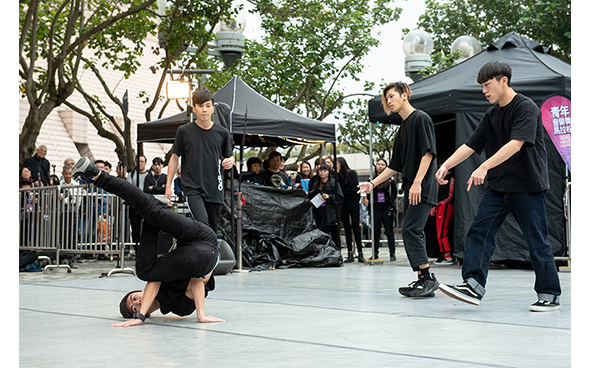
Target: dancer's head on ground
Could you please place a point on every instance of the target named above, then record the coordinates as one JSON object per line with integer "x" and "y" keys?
{"x": 131, "y": 303}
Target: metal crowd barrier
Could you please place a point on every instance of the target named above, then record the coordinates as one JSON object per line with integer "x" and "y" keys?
{"x": 78, "y": 219}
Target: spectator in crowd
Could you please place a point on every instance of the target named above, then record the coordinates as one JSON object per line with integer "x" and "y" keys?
{"x": 328, "y": 161}
{"x": 206, "y": 151}
{"x": 317, "y": 163}
{"x": 108, "y": 167}
{"x": 304, "y": 175}
{"x": 155, "y": 182}
{"x": 253, "y": 165}
{"x": 349, "y": 181}
{"x": 26, "y": 176}
{"x": 365, "y": 223}
{"x": 39, "y": 166}
{"x": 324, "y": 196}
{"x": 178, "y": 186}
{"x": 54, "y": 180}
{"x": 443, "y": 213}
{"x": 413, "y": 155}
{"x": 383, "y": 210}
{"x": 133, "y": 177}
{"x": 274, "y": 177}
{"x": 70, "y": 162}
{"x": 67, "y": 178}
{"x": 177, "y": 282}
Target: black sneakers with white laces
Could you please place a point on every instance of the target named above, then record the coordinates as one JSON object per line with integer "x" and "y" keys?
{"x": 462, "y": 292}
{"x": 422, "y": 288}
{"x": 544, "y": 306}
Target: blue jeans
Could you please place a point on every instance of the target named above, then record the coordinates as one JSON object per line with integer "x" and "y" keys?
{"x": 529, "y": 210}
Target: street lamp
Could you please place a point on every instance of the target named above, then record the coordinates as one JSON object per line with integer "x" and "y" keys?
{"x": 468, "y": 46}
{"x": 229, "y": 46}
{"x": 176, "y": 89}
{"x": 417, "y": 46}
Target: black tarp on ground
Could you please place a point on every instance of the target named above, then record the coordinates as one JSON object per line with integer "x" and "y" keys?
{"x": 455, "y": 102}
{"x": 279, "y": 230}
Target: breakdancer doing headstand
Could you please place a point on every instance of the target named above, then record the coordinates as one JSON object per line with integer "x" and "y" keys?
{"x": 178, "y": 281}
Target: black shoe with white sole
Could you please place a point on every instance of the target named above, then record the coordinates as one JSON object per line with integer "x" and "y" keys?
{"x": 462, "y": 292}
{"x": 85, "y": 169}
{"x": 544, "y": 306}
{"x": 421, "y": 288}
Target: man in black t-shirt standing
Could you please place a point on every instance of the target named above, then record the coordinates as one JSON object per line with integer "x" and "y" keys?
{"x": 206, "y": 151}
{"x": 516, "y": 173}
{"x": 413, "y": 156}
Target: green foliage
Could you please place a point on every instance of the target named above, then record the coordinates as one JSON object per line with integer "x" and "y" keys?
{"x": 546, "y": 22}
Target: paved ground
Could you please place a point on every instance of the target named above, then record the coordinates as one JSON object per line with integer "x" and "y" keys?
{"x": 350, "y": 316}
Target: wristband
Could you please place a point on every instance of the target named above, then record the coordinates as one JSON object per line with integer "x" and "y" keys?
{"x": 138, "y": 315}
{"x": 372, "y": 185}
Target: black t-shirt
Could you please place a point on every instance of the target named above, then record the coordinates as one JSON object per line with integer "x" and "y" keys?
{"x": 202, "y": 153}
{"x": 527, "y": 170}
{"x": 350, "y": 189}
{"x": 172, "y": 298}
{"x": 414, "y": 139}
{"x": 277, "y": 180}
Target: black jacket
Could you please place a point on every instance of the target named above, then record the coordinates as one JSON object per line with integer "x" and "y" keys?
{"x": 327, "y": 216}
{"x": 158, "y": 186}
{"x": 39, "y": 166}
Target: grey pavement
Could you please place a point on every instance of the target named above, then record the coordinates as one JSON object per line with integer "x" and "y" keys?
{"x": 350, "y": 316}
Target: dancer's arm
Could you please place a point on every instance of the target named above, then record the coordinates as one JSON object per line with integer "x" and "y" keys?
{"x": 148, "y": 305}
{"x": 196, "y": 291}
{"x": 414, "y": 193}
{"x": 368, "y": 187}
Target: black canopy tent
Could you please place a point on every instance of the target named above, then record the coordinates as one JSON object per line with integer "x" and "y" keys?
{"x": 254, "y": 121}
{"x": 455, "y": 102}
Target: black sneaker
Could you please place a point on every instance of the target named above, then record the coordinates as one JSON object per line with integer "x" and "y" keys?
{"x": 422, "y": 287}
{"x": 544, "y": 306}
{"x": 462, "y": 292}
{"x": 86, "y": 169}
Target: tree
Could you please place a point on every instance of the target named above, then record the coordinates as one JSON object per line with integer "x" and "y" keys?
{"x": 547, "y": 22}
{"x": 53, "y": 37}
{"x": 308, "y": 48}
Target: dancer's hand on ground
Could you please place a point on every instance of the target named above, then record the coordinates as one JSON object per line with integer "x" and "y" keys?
{"x": 365, "y": 188}
{"x": 209, "y": 319}
{"x": 130, "y": 322}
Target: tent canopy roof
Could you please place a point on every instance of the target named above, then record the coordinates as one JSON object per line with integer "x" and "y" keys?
{"x": 536, "y": 74}
{"x": 267, "y": 124}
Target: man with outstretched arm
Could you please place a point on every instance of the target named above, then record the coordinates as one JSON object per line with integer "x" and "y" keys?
{"x": 178, "y": 281}
{"x": 516, "y": 177}
{"x": 414, "y": 156}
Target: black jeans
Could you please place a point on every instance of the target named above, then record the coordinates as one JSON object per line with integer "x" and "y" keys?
{"x": 202, "y": 210}
{"x": 197, "y": 252}
{"x": 381, "y": 218}
{"x": 350, "y": 219}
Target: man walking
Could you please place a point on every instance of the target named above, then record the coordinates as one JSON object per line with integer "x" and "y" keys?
{"x": 413, "y": 156}
{"x": 206, "y": 150}
{"x": 516, "y": 173}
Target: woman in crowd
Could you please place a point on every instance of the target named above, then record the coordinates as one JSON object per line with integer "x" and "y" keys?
{"x": 304, "y": 173}
{"x": 25, "y": 176}
{"x": 325, "y": 213}
{"x": 383, "y": 208}
{"x": 349, "y": 180}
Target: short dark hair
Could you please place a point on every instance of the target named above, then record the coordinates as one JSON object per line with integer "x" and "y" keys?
{"x": 99, "y": 162}
{"x": 318, "y": 161}
{"x": 157, "y": 160}
{"x": 494, "y": 69}
{"x": 400, "y": 88}
{"x": 251, "y": 161}
{"x": 273, "y": 154}
{"x": 126, "y": 313}
{"x": 324, "y": 167}
{"x": 202, "y": 96}
{"x": 108, "y": 164}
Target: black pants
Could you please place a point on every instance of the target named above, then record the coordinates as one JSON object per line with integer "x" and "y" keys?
{"x": 381, "y": 218}
{"x": 204, "y": 211}
{"x": 196, "y": 253}
{"x": 350, "y": 219}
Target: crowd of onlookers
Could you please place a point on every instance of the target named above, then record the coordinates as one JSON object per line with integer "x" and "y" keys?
{"x": 326, "y": 183}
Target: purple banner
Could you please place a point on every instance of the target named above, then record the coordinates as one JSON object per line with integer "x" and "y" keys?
{"x": 556, "y": 119}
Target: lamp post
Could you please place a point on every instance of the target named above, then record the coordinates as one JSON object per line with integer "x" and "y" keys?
{"x": 468, "y": 46}
{"x": 417, "y": 46}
